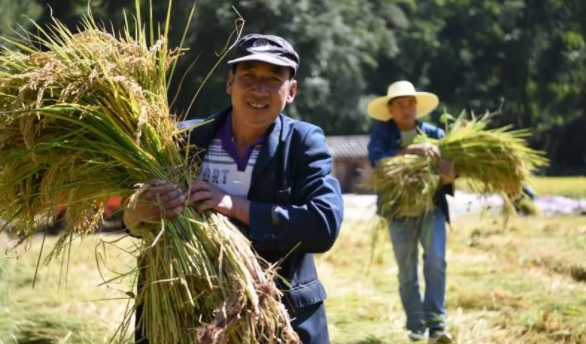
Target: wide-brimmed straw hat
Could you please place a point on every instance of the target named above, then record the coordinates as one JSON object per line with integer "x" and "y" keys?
{"x": 426, "y": 102}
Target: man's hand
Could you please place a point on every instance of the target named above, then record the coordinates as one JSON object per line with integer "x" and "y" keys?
{"x": 424, "y": 149}
{"x": 446, "y": 171}
{"x": 206, "y": 196}
{"x": 161, "y": 199}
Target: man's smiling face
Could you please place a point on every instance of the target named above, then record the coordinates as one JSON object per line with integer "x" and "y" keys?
{"x": 260, "y": 92}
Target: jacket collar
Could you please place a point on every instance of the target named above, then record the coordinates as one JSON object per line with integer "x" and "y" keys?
{"x": 395, "y": 129}
{"x": 203, "y": 138}
{"x": 269, "y": 147}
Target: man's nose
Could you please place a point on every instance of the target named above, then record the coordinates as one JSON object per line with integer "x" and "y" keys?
{"x": 260, "y": 86}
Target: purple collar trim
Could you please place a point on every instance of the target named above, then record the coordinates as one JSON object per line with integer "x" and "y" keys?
{"x": 228, "y": 145}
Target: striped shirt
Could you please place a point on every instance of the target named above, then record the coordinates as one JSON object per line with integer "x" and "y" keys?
{"x": 222, "y": 167}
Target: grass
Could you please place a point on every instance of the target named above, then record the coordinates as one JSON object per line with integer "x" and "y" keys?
{"x": 505, "y": 285}
{"x": 58, "y": 309}
{"x": 520, "y": 284}
{"x": 574, "y": 187}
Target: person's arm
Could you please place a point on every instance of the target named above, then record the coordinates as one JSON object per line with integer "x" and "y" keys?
{"x": 448, "y": 189}
{"x": 446, "y": 170}
{"x": 313, "y": 221}
{"x": 311, "y": 225}
{"x": 447, "y": 174}
{"x": 381, "y": 147}
{"x": 424, "y": 149}
{"x": 378, "y": 146}
{"x": 161, "y": 199}
{"x": 207, "y": 196}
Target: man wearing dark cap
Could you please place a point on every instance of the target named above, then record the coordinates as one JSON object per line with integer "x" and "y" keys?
{"x": 268, "y": 172}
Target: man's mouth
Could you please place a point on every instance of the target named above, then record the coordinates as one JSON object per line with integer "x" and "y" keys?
{"x": 258, "y": 105}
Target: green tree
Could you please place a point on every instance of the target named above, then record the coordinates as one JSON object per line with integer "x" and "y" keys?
{"x": 528, "y": 52}
{"x": 337, "y": 42}
{"x": 14, "y": 14}
{"x": 473, "y": 54}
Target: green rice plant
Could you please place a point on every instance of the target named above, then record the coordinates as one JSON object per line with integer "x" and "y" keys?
{"x": 84, "y": 116}
{"x": 489, "y": 161}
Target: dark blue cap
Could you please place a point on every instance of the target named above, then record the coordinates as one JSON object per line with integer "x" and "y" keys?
{"x": 266, "y": 48}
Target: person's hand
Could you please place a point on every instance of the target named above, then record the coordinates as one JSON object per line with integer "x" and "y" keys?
{"x": 161, "y": 200}
{"x": 207, "y": 196}
{"x": 446, "y": 171}
{"x": 424, "y": 149}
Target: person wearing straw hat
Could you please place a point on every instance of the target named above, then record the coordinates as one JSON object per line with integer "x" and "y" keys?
{"x": 267, "y": 172}
{"x": 396, "y": 125}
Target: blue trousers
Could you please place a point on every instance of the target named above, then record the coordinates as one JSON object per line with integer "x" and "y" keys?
{"x": 406, "y": 234}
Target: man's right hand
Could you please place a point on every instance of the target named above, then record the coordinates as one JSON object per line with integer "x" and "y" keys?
{"x": 424, "y": 149}
{"x": 161, "y": 199}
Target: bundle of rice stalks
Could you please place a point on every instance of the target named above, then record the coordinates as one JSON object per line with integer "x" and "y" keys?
{"x": 85, "y": 116}
{"x": 488, "y": 160}
{"x": 405, "y": 178}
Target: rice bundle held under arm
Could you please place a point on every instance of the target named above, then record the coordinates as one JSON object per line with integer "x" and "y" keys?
{"x": 87, "y": 117}
{"x": 488, "y": 160}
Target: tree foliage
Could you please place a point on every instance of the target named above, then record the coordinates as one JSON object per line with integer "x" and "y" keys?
{"x": 473, "y": 54}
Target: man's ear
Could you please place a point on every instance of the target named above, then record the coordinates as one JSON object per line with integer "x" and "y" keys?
{"x": 292, "y": 91}
{"x": 230, "y": 82}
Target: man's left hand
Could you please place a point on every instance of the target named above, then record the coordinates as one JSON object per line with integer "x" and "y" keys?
{"x": 446, "y": 171}
{"x": 207, "y": 196}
